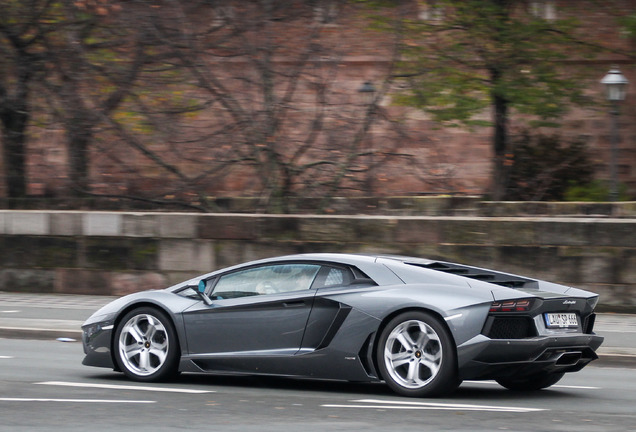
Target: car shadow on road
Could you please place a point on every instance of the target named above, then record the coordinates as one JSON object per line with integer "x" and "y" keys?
{"x": 262, "y": 382}
{"x": 489, "y": 391}
{"x": 472, "y": 391}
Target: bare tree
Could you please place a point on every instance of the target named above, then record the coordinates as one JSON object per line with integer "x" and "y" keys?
{"x": 274, "y": 112}
{"x": 173, "y": 101}
{"x": 23, "y": 25}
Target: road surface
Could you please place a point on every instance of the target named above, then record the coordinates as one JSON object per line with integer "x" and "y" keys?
{"x": 44, "y": 387}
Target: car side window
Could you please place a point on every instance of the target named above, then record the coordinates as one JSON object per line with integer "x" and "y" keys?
{"x": 334, "y": 277}
{"x": 331, "y": 276}
{"x": 267, "y": 279}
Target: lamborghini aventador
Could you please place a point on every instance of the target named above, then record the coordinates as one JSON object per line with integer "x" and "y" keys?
{"x": 421, "y": 326}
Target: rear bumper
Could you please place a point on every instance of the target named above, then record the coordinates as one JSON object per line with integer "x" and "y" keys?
{"x": 484, "y": 358}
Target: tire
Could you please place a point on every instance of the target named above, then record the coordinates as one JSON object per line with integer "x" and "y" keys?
{"x": 416, "y": 356}
{"x": 146, "y": 346}
{"x": 531, "y": 383}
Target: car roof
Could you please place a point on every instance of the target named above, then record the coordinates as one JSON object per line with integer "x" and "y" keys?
{"x": 363, "y": 261}
{"x": 345, "y": 258}
{"x": 388, "y": 269}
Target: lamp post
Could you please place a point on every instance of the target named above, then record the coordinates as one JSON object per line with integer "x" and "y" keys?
{"x": 367, "y": 91}
{"x": 615, "y": 88}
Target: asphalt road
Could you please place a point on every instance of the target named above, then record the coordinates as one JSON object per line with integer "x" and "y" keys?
{"x": 44, "y": 387}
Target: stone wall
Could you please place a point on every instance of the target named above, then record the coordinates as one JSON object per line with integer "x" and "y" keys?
{"x": 114, "y": 253}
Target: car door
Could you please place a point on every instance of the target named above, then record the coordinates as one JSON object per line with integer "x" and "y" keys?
{"x": 259, "y": 311}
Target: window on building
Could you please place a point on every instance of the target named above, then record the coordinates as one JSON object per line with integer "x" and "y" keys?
{"x": 326, "y": 11}
{"x": 223, "y": 15}
{"x": 545, "y": 9}
{"x": 430, "y": 10}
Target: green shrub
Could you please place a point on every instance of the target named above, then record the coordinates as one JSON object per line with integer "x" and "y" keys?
{"x": 595, "y": 191}
{"x": 544, "y": 167}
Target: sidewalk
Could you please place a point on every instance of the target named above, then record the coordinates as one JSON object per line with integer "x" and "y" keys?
{"x": 55, "y": 316}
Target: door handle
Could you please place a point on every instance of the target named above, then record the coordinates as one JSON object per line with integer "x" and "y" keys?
{"x": 298, "y": 303}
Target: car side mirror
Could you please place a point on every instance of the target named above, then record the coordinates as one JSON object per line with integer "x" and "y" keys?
{"x": 201, "y": 291}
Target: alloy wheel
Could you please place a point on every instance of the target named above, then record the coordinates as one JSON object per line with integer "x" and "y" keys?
{"x": 413, "y": 354}
{"x": 143, "y": 344}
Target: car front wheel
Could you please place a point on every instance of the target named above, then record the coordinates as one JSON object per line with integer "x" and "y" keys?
{"x": 416, "y": 356}
{"x": 146, "y": 346}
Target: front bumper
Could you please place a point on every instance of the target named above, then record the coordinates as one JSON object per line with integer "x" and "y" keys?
{"x": 484, "y": 358}
{"x": 96, "y": 340}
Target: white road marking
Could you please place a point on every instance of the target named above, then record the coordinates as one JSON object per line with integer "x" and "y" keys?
{"x": 575, "y": 387}
{"x": 385, "y": 404}
{"x": 10, "y": 311}
{"x": 554, "y": 386}
{"x": 124, "y": 387}
{"x": 77, "y": 400}
{"x": 6, "y": 357}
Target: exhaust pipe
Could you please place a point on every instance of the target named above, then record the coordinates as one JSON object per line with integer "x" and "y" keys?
{"x": 569, "y": 358}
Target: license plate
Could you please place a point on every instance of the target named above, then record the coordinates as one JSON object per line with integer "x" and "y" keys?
{"x": 561, "y": 320}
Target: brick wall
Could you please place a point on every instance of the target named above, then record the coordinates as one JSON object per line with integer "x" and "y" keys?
{"x": 441, "y": 160}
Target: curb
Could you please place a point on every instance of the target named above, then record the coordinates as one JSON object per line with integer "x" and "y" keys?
{"x": 615, "y": 360}
{"x": 39, "y": 333}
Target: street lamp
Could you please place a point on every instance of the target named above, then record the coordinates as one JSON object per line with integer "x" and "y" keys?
{"x": 615, "y": 89}
{"x": 367, "y": 90}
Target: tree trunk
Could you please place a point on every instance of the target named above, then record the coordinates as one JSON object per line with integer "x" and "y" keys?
{"x": 78, "y": 163}
{"x": 500, "y": 139}
{"x": 500, "y": 145}
{"x": 79, "y": 135}
{"x": 14, "y": 154}
{"x": 14, "y": 116}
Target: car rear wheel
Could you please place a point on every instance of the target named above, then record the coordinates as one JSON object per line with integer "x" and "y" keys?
{"x": 146, "y": 346}
{"x": 531, "y": 383}
{"x": 416, "y": 356}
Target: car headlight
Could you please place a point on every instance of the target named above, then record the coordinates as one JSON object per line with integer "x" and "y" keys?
{"x": 97, "y": 323}
{"x": 91, "y": 330}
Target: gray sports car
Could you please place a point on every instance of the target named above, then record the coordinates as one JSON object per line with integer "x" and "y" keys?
{"x": 421, "y": 326}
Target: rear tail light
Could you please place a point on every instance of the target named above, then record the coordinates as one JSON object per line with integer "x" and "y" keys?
{"x": 522, "y": 305}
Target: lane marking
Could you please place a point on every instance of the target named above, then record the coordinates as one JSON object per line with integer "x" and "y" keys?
{"x": 608, "y": 330}
{"x": 386, "y": 404}
{"x": 621, "y": 355}
{"x": 10, "y": 311}
{"x": 575, "y": 387}
{"x": 124, "y": 387}
{"x": 5, "y": 357}
{"x": 434, "y": 408}
{"x": 554, "y": 386}
{"x": 76, "y": 400}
